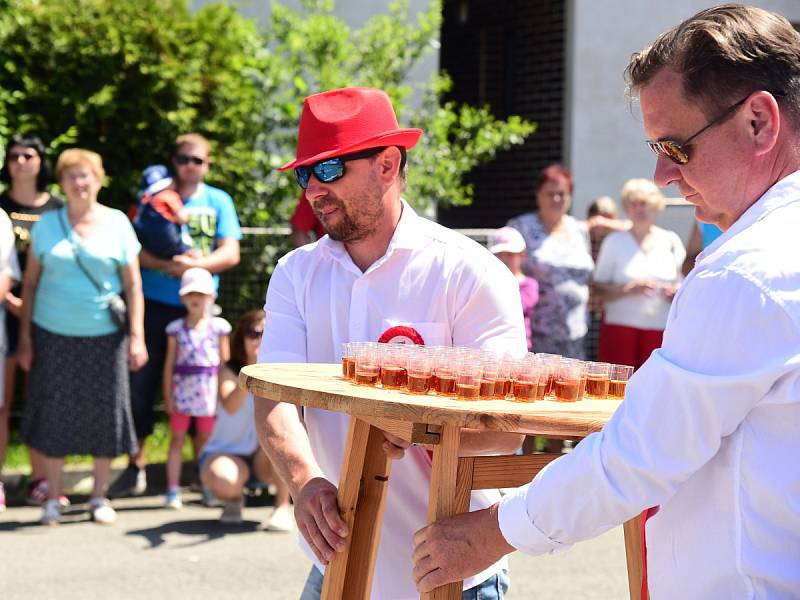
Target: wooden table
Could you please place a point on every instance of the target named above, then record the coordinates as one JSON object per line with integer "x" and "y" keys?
{"x": 435, "y": 422}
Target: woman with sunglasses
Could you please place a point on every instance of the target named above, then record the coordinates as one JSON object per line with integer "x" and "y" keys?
{"x": 557, "y": 247}
{"x": 27, "y": 175}
{"x": 637, "y": 275}
{"x": 232, "y": 454}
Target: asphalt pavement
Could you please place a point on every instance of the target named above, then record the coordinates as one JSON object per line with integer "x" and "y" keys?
{"x": 153, "y": 552}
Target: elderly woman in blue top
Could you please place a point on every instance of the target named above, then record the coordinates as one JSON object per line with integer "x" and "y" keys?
{"x": 78, "y": 399}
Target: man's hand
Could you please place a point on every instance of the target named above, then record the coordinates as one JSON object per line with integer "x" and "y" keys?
{"x": 457, "y": 547}
{"x": 180, "y": 263}
{"x": 395, "y": 447}
{"x": 317, "y": 514}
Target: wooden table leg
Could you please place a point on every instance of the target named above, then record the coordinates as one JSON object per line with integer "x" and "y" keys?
{"x": 633, "y": 555}
{"x": 362, "y": 497}
{"x": 442, "y": 500}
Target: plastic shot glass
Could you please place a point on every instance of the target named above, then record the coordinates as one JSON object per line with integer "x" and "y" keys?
{"x": 620, "y": 374}
{"x": 598, "y": 379}
{"x": 368, "y": 363}
{"x": 568, "y": 381}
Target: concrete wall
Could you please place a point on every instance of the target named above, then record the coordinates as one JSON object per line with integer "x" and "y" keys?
{"x": 605, "y": 139}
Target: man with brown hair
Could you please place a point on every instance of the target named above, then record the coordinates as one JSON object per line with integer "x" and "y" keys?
{"x": 707, "y": 437}
{"x": 214, "y": 229}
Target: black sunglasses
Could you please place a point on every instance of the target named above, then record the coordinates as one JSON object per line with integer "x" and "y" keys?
{"x": 331, "y": 169}
{"x": 185, "y": 159}
{"x": 253, "y": 333}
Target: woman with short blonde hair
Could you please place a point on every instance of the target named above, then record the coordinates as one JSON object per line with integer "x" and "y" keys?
{"x": 79, "y": 351}
{"x": 636, "y": 275}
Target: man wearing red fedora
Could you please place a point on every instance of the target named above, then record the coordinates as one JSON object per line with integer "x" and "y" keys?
{"x": 381, "y": 273}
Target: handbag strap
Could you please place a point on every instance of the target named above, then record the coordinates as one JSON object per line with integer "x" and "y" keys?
{"x": 76, "y": 251}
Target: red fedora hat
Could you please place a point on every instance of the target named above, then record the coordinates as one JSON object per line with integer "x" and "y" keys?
{"x": 347, "y": 120}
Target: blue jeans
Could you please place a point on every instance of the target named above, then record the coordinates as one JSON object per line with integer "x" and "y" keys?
{"x": 493, "y": 588}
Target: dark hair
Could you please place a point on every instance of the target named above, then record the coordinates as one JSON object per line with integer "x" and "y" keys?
{"x": 238, "y": 355}
{"x": 725, "y": 53}
{"x": 45, "y": 176}
{"x": 551, "y": 172}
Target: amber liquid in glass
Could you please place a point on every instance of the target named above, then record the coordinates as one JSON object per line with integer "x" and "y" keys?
{"x": 393, "y": 378}
{"x": 446, "y": 385}
{"x": 367, "y": 375}
{"x": 487, "y": 389}
{"x": 502, "y": 388}
{"x": 525, "y": 391}
{"x": 465, "y": 391}
{"x": 549, "y": 389}
{"x": 616, "y": 389}
{"x": 597, "y": 386}
{"x": 418, "y": 384}
{"x": 348, "y": 367}
{"x": 541, "y": 387}
{"x": 567, "y": 391}
{"x": 581, "y": 388}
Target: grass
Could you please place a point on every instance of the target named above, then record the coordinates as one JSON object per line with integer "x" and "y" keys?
{"x": 156, "y": 447}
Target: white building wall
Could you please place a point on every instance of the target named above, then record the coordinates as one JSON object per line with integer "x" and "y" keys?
{"x": 604, "y": 136}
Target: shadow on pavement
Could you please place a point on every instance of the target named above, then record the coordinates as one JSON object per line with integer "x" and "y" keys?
{"x": 212, "y": 529}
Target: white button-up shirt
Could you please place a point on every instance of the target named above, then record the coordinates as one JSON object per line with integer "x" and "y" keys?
{"x": 445, "y": 286}
{"x": 709, "y": 430}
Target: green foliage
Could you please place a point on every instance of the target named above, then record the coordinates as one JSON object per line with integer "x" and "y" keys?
{"x": 124, "y": 77}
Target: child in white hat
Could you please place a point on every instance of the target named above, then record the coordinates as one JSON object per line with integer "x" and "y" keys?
{"x": 508, "y": 245}
{"x": 196, "y": 347}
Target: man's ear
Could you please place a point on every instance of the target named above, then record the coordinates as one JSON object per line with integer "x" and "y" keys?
{"x": 763, "y": 121}
{"x": 389, "y": 163}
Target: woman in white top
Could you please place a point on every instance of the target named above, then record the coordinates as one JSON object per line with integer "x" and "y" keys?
{"x": 232, "y": 452}
{"x": 637, "y": 274}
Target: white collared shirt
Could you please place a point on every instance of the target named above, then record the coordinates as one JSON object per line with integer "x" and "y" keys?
{"x": 445, "y": 286}
{"x": 709, "y": 430}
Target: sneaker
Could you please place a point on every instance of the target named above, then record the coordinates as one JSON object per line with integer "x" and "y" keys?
{"x": 232, "y": 512}
{"x": 51, "y": 515}
{"x": 282, "y": 519}
{"x": 2, "y": 498}
{"x": 173, "y": 499}
{"x": 132, "y": 482}
{"x": 38, "y": 492}
{"x": 102, "y": 512}
{"x": 210, "y": 500}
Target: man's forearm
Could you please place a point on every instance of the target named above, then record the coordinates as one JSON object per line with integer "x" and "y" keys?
{"x": 285, "y": 440}
{"x": 477, "y": 443}
{"x": 223, "y": 258}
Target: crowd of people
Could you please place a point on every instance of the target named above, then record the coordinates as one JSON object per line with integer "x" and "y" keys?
{"x": 115, "y": 313}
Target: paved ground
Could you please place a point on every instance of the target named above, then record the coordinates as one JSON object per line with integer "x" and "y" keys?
{"x": 153, "y": 552}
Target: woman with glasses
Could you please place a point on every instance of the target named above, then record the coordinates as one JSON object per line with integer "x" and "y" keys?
{"x": 26, "y": 174}
{"x": 232, "y": 453}
{"x": 637, "y": 275}
{"x": 558, "y": 258}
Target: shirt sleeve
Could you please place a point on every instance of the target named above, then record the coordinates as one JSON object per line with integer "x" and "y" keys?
{"x": 728, "y": 347}
{"x": 130, "y": 243}
{"x": 222, "y": 326}
{"x": 227, "y": 219}
{"x": 8, "y": 254}
{"x": 284, "y": 338}
{"x": 604, "y": 266}
{"x": 174, "y": 327}
{"x": 489, "y": 313}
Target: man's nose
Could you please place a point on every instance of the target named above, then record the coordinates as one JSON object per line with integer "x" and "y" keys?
{"x": 666, "y": 172}
{"x": 316, "y": 189}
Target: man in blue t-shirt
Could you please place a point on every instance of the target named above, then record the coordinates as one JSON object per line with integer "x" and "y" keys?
{"x": 214, "y": 229}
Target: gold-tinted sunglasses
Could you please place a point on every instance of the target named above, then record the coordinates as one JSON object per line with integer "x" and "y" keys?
{"x": 677, "y": 152}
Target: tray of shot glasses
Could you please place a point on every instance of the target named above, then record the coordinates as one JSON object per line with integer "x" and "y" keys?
{"x": 542, "y": 393}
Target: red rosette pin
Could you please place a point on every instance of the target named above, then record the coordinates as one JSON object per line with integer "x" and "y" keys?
{"x": 401, "y": 334}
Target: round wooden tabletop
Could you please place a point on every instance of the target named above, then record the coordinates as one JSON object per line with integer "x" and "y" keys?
{"x": 322, "y": 386}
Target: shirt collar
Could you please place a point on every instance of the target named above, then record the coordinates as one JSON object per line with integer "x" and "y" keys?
{"x": 784, "y": 192}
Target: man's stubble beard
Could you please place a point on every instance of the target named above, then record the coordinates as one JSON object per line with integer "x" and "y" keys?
{"x": 368, "y": 212}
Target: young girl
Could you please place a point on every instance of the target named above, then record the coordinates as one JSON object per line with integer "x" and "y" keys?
{"x": 196, "y": 347}
{"x": 232, "y": 454}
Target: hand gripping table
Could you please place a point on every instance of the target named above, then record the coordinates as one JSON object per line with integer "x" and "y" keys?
{"x": 433, "y": 421}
